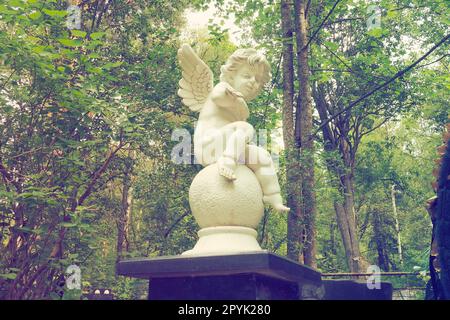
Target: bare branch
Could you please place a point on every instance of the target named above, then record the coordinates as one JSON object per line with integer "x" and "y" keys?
{"x": 98, "y": 173}
{"x": 8, "y": 177}
{"x": 307, "y": 8}
{"x": 329, "y": 70}
{"x": 339, "y": 58}
{"x": 437, "y": 60}
{"x": 166, "y": 234}
{"x": 7, "y": 80}
{"x": 321, "y": 25}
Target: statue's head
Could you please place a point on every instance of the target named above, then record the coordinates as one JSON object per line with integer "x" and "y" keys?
{"x": 247, "y": 71}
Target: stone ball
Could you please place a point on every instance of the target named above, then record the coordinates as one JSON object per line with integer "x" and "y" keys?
{"x": 217, "y": 201}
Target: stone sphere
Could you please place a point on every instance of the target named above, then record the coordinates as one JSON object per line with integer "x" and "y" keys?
{"x": 216, "y": 201}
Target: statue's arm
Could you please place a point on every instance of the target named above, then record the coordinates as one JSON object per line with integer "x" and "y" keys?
{"x": 224, "y": 95}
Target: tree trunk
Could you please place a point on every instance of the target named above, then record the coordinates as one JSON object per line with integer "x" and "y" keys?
{"x": 397, "y": 225}
{"x": 303, "y": 131}
{"x": 345, "y": 234}
{"x": 383, "y": 260}
{"x": 345, "y": 212}
{"x": 349, "y": 207}
{"x": 297, "y": 137}
{"x": 443, "y": 220}
{"x": 124, "y": 215}
{"x": 293, "y": 187}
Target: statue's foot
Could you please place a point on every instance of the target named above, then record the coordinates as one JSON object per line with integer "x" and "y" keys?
{"x": 276, "y": 202}
{"x": 226, "y": 166}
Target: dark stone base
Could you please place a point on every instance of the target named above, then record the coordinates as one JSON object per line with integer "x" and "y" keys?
{"x": 249, "y": 276}
{"x": 355, "y": 290}
{"x": 235, "y": 287}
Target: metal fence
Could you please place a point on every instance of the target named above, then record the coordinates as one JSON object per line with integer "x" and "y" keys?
{"x": 409, "y": 293}
{"x": 406, "y": 285}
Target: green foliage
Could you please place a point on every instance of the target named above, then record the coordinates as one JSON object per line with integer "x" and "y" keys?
{"x": 83, "y": 110}
{"x": 71, "y": 100}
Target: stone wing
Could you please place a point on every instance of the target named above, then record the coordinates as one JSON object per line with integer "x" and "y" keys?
{"x": 197, "y": 81}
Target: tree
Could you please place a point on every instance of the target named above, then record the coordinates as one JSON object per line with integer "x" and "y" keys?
{"x": 297, "y": 136}
{"x": 71, "y": 101}
{"x": 345, "y": 122}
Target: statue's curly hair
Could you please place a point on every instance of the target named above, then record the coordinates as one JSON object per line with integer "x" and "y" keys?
{"x": 253, "y": 58}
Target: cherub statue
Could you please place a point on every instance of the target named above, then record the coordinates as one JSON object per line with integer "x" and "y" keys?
{"x": 222, "y": 134}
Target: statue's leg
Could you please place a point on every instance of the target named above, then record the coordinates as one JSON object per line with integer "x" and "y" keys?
{"x": 260, "y": 162}
{"x": 238, "y": 134}
{"x": 208, "y": 147}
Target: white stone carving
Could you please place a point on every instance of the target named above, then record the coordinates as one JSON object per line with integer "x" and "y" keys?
{"x": 238, "y": 177}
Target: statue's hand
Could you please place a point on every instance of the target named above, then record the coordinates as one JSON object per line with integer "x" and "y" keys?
{"x": 232, "y": 93}
{"x": 239, "y": 103}
{"x": 242, "y": 108}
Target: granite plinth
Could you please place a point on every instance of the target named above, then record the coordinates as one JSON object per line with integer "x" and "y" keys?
{"x": 246, "y": 276}
{"x": 355, "y": 290}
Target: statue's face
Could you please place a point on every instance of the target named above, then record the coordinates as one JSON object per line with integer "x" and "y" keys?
{"x": 245, "y": 82}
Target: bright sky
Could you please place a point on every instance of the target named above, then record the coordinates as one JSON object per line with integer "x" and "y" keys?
{"x": 200, "y": 20}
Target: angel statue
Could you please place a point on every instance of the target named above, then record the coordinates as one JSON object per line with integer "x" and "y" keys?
{"x": 222, "y": 134}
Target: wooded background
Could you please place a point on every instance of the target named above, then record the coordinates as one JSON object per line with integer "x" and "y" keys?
{"x": 87, "y": 115}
